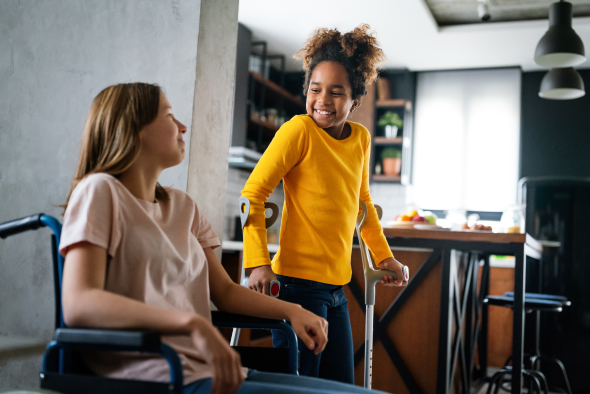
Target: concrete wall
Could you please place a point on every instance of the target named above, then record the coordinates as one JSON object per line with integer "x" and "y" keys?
{"x": 55, "y": 56}
{"x": 213, "y": 109}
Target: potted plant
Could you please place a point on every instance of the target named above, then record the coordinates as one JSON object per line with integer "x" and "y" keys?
{"x": 391, "y": 122}
{"x": 392, "y": 161}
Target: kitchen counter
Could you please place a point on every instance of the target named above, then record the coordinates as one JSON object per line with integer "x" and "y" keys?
{"x": 429, "y": 332}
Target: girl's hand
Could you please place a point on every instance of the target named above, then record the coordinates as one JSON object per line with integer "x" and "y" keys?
{"x": 225, "y": 362}
{"x": 260, "y": 279}
{"x": 393, "y": 265}
{"x": 310, "y": 328}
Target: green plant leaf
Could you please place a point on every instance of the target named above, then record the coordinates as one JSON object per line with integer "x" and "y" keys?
{"x": 390, "y": 119}
{"x": 391, "y": 153}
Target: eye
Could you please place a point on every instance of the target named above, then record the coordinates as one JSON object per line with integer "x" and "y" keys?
{"x": 337, "y": 93}
{"x": 315, "y": 90}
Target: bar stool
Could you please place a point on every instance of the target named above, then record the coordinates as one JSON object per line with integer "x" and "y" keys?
{"x": 533, "y": 302}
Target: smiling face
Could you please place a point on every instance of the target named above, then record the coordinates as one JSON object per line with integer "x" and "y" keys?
{"x": 329, "y": 98}
{"x": 161, "y": 140}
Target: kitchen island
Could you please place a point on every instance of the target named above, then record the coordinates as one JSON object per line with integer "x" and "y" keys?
{"x": 431, "y": 337}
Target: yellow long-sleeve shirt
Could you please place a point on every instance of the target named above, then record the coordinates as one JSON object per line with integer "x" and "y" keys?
{"x": 323, "y": 179}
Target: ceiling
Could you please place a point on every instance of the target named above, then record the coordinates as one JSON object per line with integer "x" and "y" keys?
{"x": 457, "y": 12}
{"x": 407, "y": 31}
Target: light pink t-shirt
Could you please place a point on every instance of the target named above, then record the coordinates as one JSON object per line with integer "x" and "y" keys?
{"x": 155, "y": 255}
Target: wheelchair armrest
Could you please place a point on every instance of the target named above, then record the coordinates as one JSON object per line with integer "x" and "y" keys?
{"x": 111, "y": 339}
{"x": 225, "y": 319}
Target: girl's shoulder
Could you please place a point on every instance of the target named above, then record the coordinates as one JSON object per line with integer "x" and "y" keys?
{"x": 362, "y": 130}
{"x": 360, "y": 134}
{"x": 180, "y": 197}
{"x": 97, "y": 181}
{"x": 299, "y": 122}
{"x": 296, "y": 129}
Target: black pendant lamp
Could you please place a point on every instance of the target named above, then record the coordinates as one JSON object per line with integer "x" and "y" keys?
{"x": 560, "y": 46}
{"x": 562, "y": 84}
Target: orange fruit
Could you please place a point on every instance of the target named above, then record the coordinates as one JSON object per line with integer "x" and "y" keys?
{"x": 405, "y": 218}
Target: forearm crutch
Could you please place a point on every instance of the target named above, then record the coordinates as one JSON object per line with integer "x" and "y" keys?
{"x": 372, "y": 277}
{"x": 274, "y": 285}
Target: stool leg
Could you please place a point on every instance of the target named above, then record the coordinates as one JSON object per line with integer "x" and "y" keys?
{"x": 542, "y": 379}
{"x": 534, "y": 381}
{"x": 562, "y": 368}
{"x": 500, "y": 379}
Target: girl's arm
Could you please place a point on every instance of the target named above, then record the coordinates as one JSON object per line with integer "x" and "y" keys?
{"x": 86, "y": 304}
{"x": 231, "y": 297}
{"x": 284, "y": 152}
{"x": 372, "y": 231}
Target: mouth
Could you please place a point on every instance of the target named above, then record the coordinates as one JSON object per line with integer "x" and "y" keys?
{"x": 322, "y": 113}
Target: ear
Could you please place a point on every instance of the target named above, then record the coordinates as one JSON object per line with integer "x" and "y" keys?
{"x": 355, "y": 104}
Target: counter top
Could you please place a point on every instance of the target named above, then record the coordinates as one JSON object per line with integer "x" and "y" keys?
{"x": 463, "y": 235}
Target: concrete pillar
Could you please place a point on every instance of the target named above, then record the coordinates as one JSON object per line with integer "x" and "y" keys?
{"x": 212, "y": 109}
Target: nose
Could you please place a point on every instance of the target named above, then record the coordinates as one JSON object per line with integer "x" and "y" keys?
{"x": 325, "y": 97}
{"x": 181, "y": 128}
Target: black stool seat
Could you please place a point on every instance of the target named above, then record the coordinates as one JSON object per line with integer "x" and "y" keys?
{"x": 564, "y": 301}
{"x": 538, "y": 303}
{"x": 530, "y": 304}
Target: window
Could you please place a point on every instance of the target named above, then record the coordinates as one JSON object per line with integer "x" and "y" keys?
{"x": 466, "y": 141}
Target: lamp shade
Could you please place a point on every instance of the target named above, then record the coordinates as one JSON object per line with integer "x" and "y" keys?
{"x": 562, "y": 84}
{"x": 560, "y": 46}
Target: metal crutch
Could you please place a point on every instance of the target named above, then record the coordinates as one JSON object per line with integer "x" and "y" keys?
{"x": 274, "y": 285}
{"x": 372, "y": 276}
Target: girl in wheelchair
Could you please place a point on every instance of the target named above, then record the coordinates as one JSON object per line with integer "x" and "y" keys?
{"x": 140, "y": 256}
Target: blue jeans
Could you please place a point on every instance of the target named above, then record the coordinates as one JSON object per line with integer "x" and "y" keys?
{"x": 336, "y": 362}
{"x": 278, "y": 383}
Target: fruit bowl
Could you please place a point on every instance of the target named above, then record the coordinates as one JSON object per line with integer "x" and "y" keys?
{"x": 396, "y": 224}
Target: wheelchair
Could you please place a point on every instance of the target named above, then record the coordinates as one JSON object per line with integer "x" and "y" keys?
{"x": 64, "y": 371}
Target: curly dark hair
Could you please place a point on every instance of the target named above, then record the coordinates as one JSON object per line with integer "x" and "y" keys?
{"x": 358, "y": 51}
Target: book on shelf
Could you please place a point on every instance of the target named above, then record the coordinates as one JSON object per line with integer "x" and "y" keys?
{"x": 383, "y": 89}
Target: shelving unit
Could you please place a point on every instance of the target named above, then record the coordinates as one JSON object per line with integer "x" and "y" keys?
{"x": 402, "y": 89}
{"x": 262, "y": 102}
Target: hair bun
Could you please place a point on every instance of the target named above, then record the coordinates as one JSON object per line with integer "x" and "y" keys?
{"x": 358, "y": 51}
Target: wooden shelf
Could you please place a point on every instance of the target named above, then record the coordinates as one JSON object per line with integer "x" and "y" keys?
{"x": 255, "y": 119}
{"x": 386, "y": 178}
{"x": 391, "y": 103}
{"x": 388, "y": 141}
{"x": 271, "y": 85}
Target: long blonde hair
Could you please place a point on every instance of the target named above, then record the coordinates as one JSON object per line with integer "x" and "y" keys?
{"x": 110, "y": 141}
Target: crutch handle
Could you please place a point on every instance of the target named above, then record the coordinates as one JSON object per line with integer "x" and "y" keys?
{"x": 372, "y": 276}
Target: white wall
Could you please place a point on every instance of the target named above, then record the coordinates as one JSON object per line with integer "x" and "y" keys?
{"x": 55, "y": 56}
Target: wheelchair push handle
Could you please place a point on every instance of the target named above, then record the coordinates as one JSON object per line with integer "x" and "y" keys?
{"x": 21, "y": 225}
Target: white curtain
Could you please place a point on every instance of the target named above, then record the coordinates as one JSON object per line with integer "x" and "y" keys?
{"x": 467, "y": 138}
